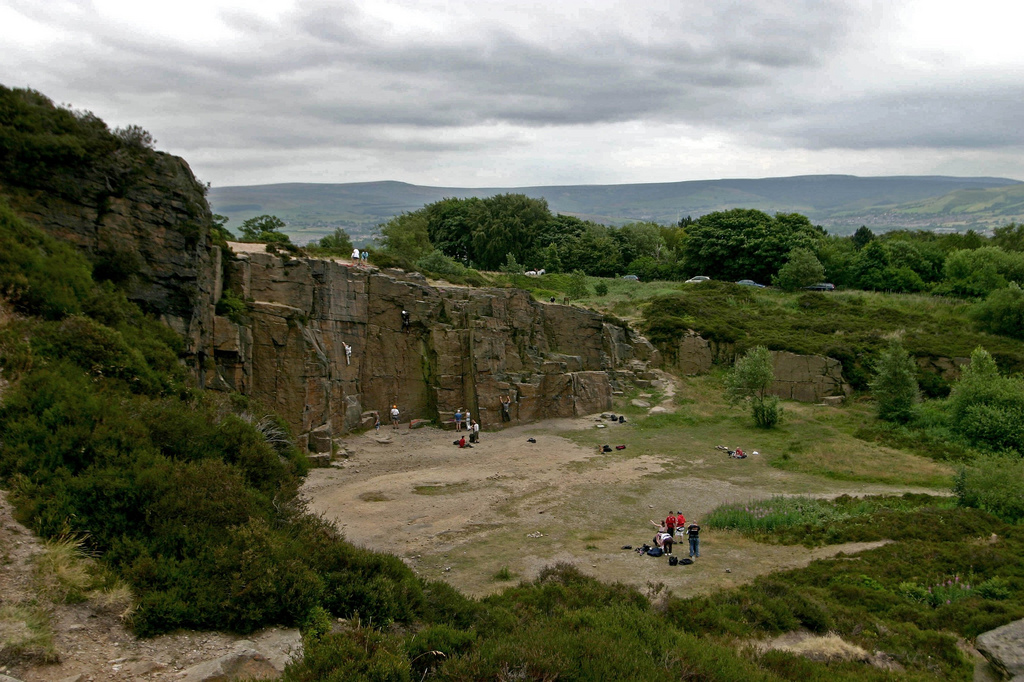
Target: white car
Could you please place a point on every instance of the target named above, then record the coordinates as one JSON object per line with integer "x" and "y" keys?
{"x": 697, "y": 280}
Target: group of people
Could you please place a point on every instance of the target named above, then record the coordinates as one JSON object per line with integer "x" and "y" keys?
{"x": 360, "y": 257}
{"x": 471, "y": 426}
{"x": 394, "y": 414}
{"x": 675, "y": 525}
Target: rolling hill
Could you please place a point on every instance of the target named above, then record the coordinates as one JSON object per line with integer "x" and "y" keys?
{"x": 839, "y": 202}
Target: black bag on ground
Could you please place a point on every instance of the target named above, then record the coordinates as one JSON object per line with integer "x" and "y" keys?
{"x": 672, "y": 560}
{"x": 686, "y": 562}
{"x": 654, "y": 551}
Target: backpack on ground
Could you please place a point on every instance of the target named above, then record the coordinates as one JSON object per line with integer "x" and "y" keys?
{"x": 686, "y": 562}
{"x": 672, "y": 560}
{"x": 655, "y": 551}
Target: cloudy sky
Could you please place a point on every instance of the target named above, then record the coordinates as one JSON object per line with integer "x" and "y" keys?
{"x": 478, "y": 93}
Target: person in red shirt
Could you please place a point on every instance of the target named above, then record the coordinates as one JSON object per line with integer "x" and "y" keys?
{"x": 670, "y": 523}
{"x": 680, "y": 522}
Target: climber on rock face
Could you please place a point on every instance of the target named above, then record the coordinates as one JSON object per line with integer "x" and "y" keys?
{"x": 405, "y": 319}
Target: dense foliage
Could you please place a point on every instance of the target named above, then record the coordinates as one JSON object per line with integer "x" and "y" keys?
{"x": 189, "y": 497}
{"x": 853, "y": 328}
{"x": 746, "y": 243}
{"x": 485, "y": 233}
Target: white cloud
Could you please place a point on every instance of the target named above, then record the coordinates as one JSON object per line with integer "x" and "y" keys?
{"x": 454, "y": 92}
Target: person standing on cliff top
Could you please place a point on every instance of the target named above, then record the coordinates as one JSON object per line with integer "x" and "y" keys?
{"x": 355, "y": 256}
{"x": 394, "y": 416}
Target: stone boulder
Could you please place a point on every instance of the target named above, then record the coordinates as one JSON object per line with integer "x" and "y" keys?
{"x": 807, "y": 378}
{"x": 693, "y": 355}
{"x": 1004, "y": 648}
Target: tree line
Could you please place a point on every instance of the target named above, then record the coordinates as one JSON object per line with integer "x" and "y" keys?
{"x": 785, "y": 249}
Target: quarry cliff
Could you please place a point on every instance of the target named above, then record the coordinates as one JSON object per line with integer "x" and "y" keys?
{"x": 463, "y": 347}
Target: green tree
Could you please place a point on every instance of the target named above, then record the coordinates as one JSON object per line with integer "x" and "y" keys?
{"x": 511, "y": 224}
{"x": 746, "y": 243}
{"x": 1009, "y": 237}
{"x": 405, "y": 237}
{"x": 895, "y": 384}
{"x": 511, "y": 266}
{"x": 337, "y": 243}
{"x": 979, "y": 272}
{"x": 881, "y": 266}
{"x": 862, "y": 237}
{"x": 577, "y": 285}
{"x": 750, "y": 380}
{"x": 1002, "y": 312}
{"x": 218, "y": 228}
{"x": 265, "y": 229}
{"x": 639, "y": 240}
{"x": 594, "y": 252}
{"x": 550, "y": 261}
{"x": 802, "y": 269}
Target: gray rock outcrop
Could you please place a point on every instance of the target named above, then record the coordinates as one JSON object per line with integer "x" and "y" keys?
{"x": 1004, "y": 648}
{"x": 807, "y": 378}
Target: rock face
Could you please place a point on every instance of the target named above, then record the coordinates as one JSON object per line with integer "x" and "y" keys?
{"x": 152, "y": 232}
{"x": 1004, "y": 647}
{"x": 462, "y": 348}
{"x": 807, "y": 378}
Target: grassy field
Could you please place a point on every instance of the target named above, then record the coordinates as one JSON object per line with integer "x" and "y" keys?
{"x": 815, "y": 440}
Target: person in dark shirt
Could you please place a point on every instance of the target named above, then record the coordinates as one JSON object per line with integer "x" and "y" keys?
{"x": 693, "y": 533}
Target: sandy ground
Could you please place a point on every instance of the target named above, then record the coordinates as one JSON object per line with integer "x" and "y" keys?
{"x": 462, "y": 514}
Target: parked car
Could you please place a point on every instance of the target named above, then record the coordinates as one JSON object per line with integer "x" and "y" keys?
{"x": 750, "y": 283}
{"x": 821, "y": 286}
{"x": 631, "y": 278}
{"x": 697, "y": 280}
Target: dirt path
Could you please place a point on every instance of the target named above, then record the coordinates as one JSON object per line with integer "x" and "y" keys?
{"x": 463, "y": 514}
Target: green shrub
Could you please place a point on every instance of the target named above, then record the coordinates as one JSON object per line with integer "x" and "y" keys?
{"x": 995, "y": 588}
{"x": 801, "y": 269}
{"x": 993, "y": 484}
{"x": 232, "y": 307}
{"x": 987, "y": 408}
{"x": 39, "y": 275}
{"x": 1002, "y": 312}
{"x": 601, "y": 288}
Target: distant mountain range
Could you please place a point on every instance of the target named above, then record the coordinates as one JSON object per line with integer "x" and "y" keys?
{"x": 841, "y": 203}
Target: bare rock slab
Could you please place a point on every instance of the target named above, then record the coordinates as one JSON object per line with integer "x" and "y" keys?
{"x": 1004, "y": 647}
{"x": 245, "y": 664}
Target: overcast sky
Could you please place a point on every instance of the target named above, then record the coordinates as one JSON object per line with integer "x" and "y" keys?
{"x": 489, "y": 93}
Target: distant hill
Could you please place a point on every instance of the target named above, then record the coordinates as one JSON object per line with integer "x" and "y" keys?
{"x": 839, "y": 202}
